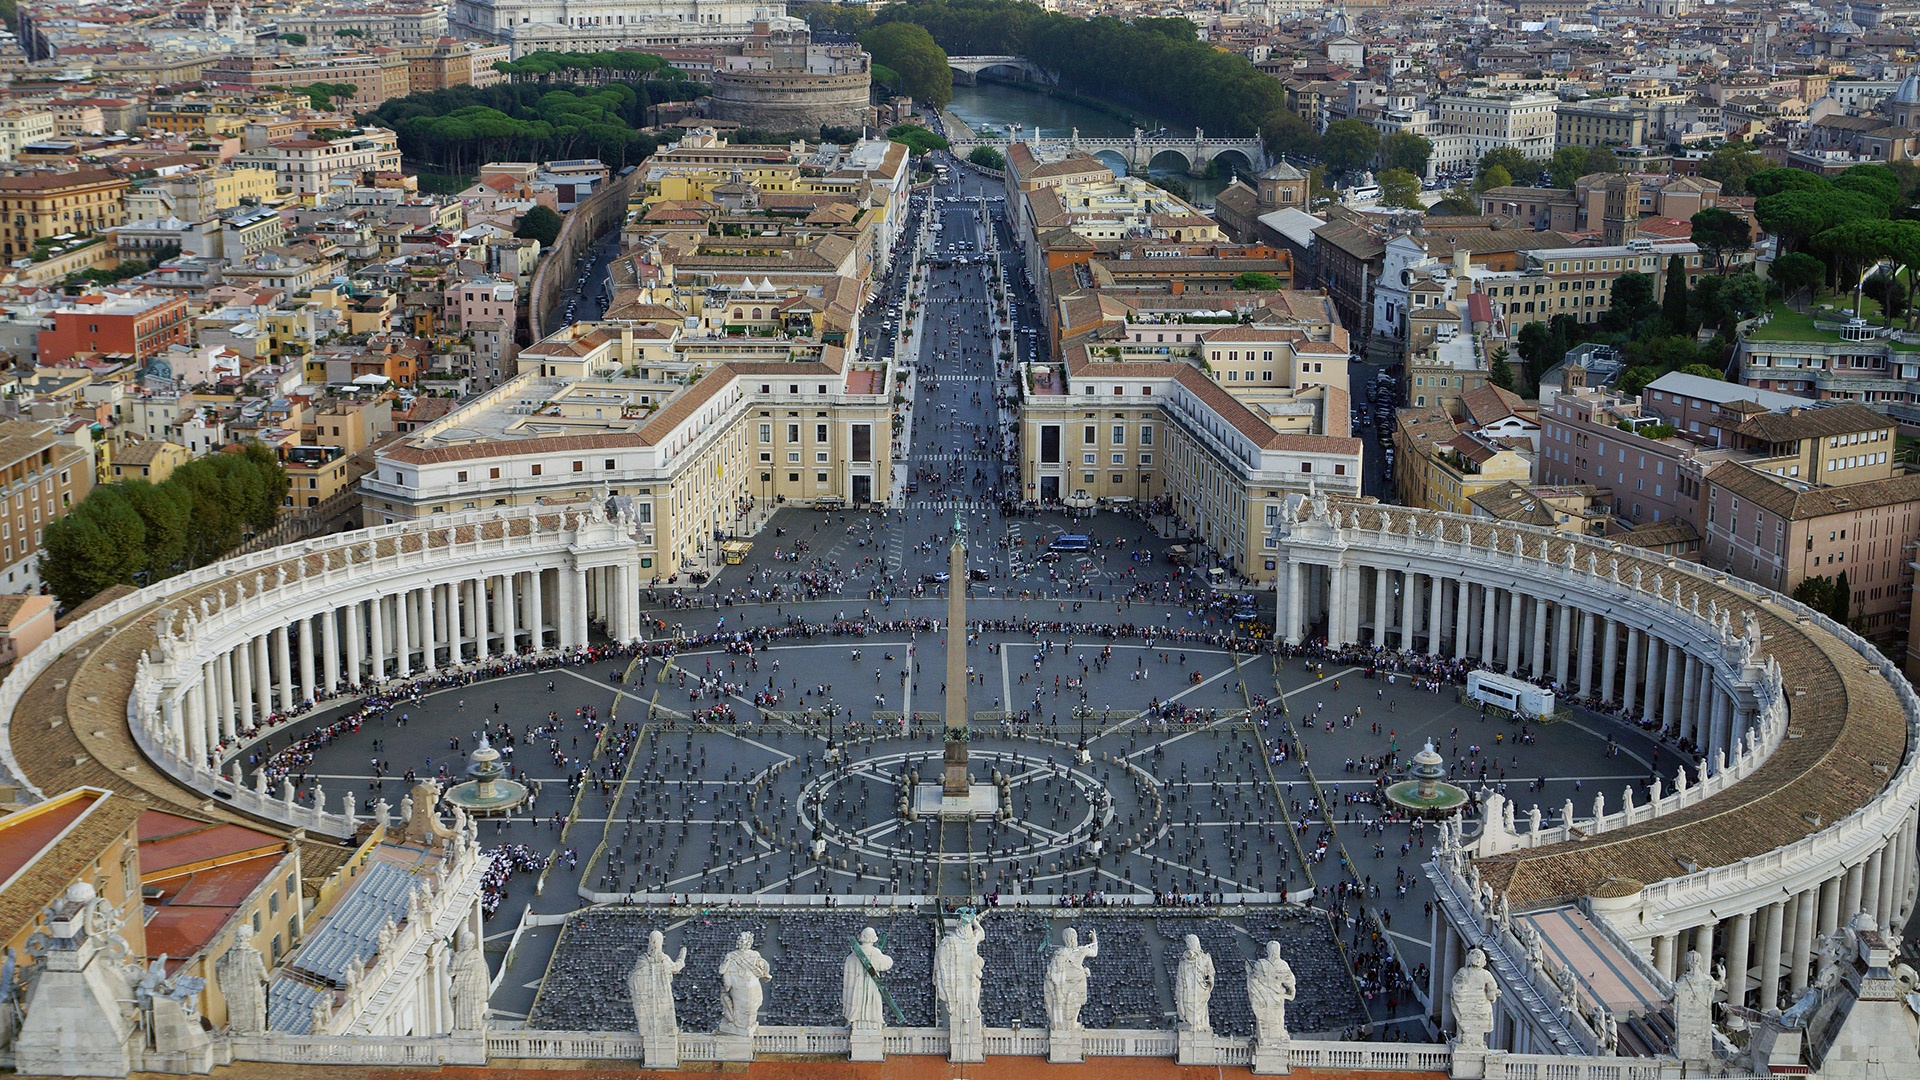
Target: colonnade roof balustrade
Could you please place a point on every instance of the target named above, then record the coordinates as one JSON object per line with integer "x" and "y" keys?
{"x": 64, "y": 709}
{"x": 66, "y": 705}
{"x": 1849, "y": 710}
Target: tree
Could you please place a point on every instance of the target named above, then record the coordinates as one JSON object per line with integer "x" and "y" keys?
{"x": 99, "y": 544}
{"x": 918, "y": 140}
{"x": 164, "y": 520}
{"x": 1493, "y": 176}
{"x": 1500, "y": 368}
{"x": 1774, "y": 181}
{"x": 1673, "y": 303}
{"x": 1796, "y": 271}
{"x": 539, "y": 223}
{"x": 1731, "y": 165}
{"x": 1886, "y": 289}
{"x": 1287, "y": 132}
{"x": 1513, "y": 161}
{"x": 1401, "y": 189}
{"x": 1717, "y": 232}
{"x": 1832, "y": 597}
{"x": 1349, "y": 145}
{"x": 295, "y": 40}
{"x": 1702, "y": 371}
{"x": 1632, "y": 298}
{"x": 987, "y": 158}
{"x": 1459, "y": 199}
{"x": 1405, "y": 150}
{"x": 1567, "y": 165}
{"x": 911, "y": 52}
{"x": 1254, "y": 281}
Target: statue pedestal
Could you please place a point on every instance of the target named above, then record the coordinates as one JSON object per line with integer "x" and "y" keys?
{"x": 966, "y": 1043}
{"x": 866, "y": 1044}
{"x": 660, "y": 1051}
{"x": 1469, "y": 1059}
{"x": 979, "y": 801}
{"x": 1067, "y": 1047}
{"x": 1270, "y": 1058}
{"x": 729, "y": 1047}
{"x": 1194, "y": 1047}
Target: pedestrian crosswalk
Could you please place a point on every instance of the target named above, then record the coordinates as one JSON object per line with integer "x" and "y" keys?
{"x": 949, "y": 504}
{"x": 950, "y": 457}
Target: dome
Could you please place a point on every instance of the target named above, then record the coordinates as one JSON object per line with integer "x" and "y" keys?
{"x": 1282, "y": 171}
{"x": 1908, "y": 93}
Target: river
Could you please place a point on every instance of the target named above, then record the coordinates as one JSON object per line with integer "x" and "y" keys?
{"x": 998, "y": 106}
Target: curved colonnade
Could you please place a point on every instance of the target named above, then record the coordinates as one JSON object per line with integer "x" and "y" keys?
{"x": 1801, "y": 814}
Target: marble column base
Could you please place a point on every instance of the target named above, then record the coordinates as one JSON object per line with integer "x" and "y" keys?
{"x": 966, "y": 1043}
{"x": 1270, "y": 1058}
{"x": 1066, "y": 1046}
{"x": 660, "y": 1051}
{"x": 733, "y": 1047}
{"x": 866, "y": 1044}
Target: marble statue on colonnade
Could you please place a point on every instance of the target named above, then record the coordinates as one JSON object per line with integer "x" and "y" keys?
{"x": 650, "y": 989}
{"x": 1270, "y": 985}
{"x": 1473, "y": 994}
{"x": 862, "y": 1000}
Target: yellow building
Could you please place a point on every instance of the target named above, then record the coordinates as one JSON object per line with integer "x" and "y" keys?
{"x": 41, "y": 206}
{"x": 1442, "y": 468}
{"x": 152, "y": 460}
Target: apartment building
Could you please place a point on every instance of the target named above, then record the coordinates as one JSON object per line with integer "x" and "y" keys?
{"x": 307, "y": 166}
{"x": 1831, "y": 359}
{"x": 1779, "y": 532}
{"x": 443, "y": 63}
{"x": 1523, "y": 120}
{"x": 1441, "y": 465}
{"x": 1598, "y": 124}
{"x": 689, "y": 451}
{"x": 42, "y": 474}
{"x": 138, "y": 325}
{"x": 42, "y": 205}
{"x": 1122, "y": 430}
{"x": 21, "y": 126}
{"x": 378, "y": 74}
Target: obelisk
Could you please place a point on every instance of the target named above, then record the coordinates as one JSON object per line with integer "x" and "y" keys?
{"x": 955, "y": 782}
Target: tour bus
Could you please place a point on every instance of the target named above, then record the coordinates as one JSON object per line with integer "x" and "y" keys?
{"x": 1071, "y": 542}
{"x": 1514, "y": 695}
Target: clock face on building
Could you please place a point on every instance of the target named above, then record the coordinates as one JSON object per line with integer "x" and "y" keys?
{"x": 1406, "y": 277}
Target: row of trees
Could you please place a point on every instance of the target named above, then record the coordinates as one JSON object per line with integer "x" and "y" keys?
{"x": 459, "y": 129}
{"x": 597, "y": 67}
{"x": 135, "y": 532}
{"x": 1156, "y": 65}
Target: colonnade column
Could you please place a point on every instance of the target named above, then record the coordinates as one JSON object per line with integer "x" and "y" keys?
{"x": 1689, "y": 696}
{"x": 1379, "y": 608}
{"x": 1722, "y": 728}
{"x": 1539, "y": 637}
{"x": 356, "y": 641}
{"x": 1739, "y": 934}
{"x": 1586, "y": 654}
{"x": 307, "y": 685}
{"x": 1610, "y": 661}
{"x": 195, "y": 722}
{"x": 377, "y": 625}
{"x": 1830, "y": 917}
{"x": 224, "y": 706}
{"x": 242, "y": 660}
{"x": 580, "y": 607}
{"x": 1514, "y": 602}
{"x": 329, "y": 652}
{"x": 1850, "y": 897}
{"x": 1489, "y": 624}
{"x": 1462, "y": 609}
{"x": 1670, "y": 696}
{"x": 1771, "y": 931}
{"x": 1650, "y": 702}
{"x": 1408, "y": 624}
{"x": 283, "y": 659}
{"x": 1802, "y": 946}
{"x": 1434, "y": 604}
{"x": 403, "y": 633}
{"x": 1630, "y": 688}
{"x": 1562, "y": 646}
{"x": 537, "y": 608}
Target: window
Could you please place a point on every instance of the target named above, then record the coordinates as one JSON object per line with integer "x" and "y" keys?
{"x": 1146, "y": 434}
{"x": 1306, "y": 466}
{"x": 766, "y": 433}
{"x": 793, "y": 457}
{"x": 1119, "y": 435}
{"x": 536, "y": 470}
{"x": 493, "y": 474}
{"x": 819, "y": 433}
{"x": 462, "y": 476}
{"x": 1089, "y": 436}
{"x": 579, "y": 466}
{"x": 793, "y": 433}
